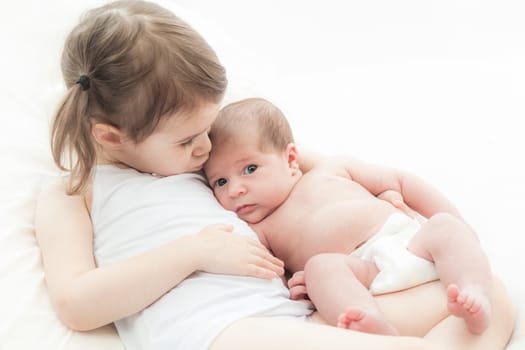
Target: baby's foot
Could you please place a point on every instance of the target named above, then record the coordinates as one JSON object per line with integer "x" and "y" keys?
{"x": 472, "y": 304}
{"x": 370, "y": 322}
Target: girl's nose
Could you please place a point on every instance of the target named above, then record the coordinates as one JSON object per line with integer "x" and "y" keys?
{"x": 203, "y": 145}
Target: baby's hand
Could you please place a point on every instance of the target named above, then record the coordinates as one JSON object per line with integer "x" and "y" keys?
{"x": 393, "y": 197}
{"x": 228, "y": 253}
{"x": 297, "y": 287}
{"x": 396, "y": 199}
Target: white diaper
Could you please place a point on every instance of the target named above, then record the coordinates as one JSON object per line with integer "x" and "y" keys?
{"x": 398, "y": 268}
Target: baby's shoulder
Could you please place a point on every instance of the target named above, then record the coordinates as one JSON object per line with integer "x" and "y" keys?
{"x": 332, "y": 166}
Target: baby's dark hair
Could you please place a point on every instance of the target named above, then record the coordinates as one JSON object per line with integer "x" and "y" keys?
{"x": 264, "y": 117}
{"x": 138, "y": 62}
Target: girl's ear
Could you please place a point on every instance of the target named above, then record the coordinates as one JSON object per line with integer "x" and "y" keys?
{"x": 293, "y": 158}
{"x": 107, "y": 135}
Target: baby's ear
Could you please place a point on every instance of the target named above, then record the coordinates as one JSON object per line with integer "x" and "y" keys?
{"x": 107, "y": 135}
{"x": 293, "y": 158}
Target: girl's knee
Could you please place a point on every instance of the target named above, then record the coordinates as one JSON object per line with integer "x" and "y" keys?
{"x": 502, "y": 306}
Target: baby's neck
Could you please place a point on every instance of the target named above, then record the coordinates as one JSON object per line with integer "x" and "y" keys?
{"x": 294, "y": 179}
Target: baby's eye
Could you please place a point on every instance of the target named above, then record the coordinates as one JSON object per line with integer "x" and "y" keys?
{"x": 250, "y": 169}
{"x": 221, "y": 182}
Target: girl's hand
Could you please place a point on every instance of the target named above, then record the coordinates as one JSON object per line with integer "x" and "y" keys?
{"x": 228, "y": 253}
{"x": 297, "y": 287}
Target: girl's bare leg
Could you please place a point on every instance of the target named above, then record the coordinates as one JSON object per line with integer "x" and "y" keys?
{"x": 416, "y": 311}
{"x": 452, "y": 333}
{"x": 338, "y": 286}
{"x": 422, "y": 311}
{"x": 279, "y": 333}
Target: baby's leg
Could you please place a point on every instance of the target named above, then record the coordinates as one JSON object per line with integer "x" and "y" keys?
{"x": 338, "y": 286}
{"x": 461, "y": 265}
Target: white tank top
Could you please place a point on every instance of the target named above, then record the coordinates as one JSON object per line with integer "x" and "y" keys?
{"x": 133, "y": 213}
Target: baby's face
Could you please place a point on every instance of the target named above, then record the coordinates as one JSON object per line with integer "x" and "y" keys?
{"x": 248, "y": 181}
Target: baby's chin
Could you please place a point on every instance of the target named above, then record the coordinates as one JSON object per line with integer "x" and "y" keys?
{"x": 251, "y": 221}
{"x": 255, "y": 217}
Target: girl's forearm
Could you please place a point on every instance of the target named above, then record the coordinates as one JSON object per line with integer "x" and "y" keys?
{"x": 103, "y": 295}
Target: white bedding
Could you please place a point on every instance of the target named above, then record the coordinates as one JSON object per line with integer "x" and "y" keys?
{"x": 436, "y": 88}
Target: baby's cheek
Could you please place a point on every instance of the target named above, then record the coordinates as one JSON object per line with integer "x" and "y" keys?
{"x": 223, "y": 202}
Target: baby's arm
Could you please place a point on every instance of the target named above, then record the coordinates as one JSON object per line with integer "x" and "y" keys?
{"x": 392, "y": 197}
{"x": 418, "y": 194}
{"x": 396, "y": 199}
{"x": 86, "y": 297}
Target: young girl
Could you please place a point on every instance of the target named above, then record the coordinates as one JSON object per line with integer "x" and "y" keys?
{"x": 143, "y": 90}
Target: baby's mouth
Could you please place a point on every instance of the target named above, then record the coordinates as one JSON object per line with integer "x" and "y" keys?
{"x": 245, "y": 209}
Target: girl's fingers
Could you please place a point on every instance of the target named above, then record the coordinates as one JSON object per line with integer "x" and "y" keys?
{"x": 222, "y": 227}
{"x": 261, "y": 263}
{"x": 272, "y": 259}
{"x": 277, "y": 268}
{"x": 260, "y": 272}
{"x": 264, "y": 253}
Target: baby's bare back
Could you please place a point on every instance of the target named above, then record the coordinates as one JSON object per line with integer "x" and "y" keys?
{"x": 326, "y": 212}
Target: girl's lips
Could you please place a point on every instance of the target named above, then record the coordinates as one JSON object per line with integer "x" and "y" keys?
{"x": 245, "y": 209}
{"x": 199, "y": 167}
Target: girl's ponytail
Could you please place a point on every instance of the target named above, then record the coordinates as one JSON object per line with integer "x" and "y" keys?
{"x": 71, "y": 143}
{"x": 128, "y": 64}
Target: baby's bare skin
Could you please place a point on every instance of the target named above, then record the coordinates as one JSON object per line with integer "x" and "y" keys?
{"x": 353, "y": 215}
{"x": 300, "y": 223}
{"x": 325, "y": 214}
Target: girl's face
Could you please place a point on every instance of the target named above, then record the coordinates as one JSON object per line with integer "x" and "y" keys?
{"x": 179, "y": 144}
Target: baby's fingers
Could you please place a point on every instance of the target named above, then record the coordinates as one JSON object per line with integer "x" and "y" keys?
{"x": 298, "y": 292}
{"x": 296, "y": 279}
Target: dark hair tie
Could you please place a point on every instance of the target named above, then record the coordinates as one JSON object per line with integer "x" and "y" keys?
{"x": 84, "y": 82}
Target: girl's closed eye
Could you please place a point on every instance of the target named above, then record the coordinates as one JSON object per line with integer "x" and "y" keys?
{"x": 249, "y": 169}
{"x": 187, "y": 143}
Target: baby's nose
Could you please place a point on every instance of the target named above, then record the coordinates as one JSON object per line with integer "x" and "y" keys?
{"x": 237, "y": 189}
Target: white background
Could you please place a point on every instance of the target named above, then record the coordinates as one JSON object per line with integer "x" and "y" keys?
{"x": 434, "y": 87}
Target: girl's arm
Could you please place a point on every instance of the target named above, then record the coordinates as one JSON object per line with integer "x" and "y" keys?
{"x": 86, "y": 297}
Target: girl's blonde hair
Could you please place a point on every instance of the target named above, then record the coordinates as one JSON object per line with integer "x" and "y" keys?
{"x": 138, "y": 63}
{"x": 272, "y": 128}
